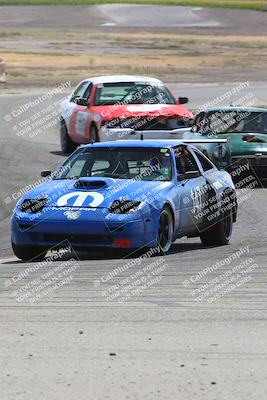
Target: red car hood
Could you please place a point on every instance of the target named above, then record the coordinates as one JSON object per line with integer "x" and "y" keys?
{"x": 141, "y": 110}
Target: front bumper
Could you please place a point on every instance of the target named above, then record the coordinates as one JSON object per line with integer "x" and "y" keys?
{"x": 92, "y": 228}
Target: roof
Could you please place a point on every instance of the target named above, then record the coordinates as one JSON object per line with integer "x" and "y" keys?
{"x": 123, "y": 78}
{"x": 137, "y": 143}
{"x": 249, "y": 109}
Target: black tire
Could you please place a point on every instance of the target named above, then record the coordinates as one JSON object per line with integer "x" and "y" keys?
{"x": 220, "y": 233}
{"x": 94, "y": 134}
{"x": 67, "y": 145}
{"x": 165, "y": 231}
{"x": 27, "y": 253}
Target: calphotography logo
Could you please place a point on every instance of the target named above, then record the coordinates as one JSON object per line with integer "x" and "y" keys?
{"x": 81, "y": 199}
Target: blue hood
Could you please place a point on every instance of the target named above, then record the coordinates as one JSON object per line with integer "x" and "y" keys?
{"x": 94, "y": 192}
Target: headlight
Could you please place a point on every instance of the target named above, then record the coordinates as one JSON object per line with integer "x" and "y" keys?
{"x": 124, "y": 206}
{"x": 33, "y": 205}
{"x": 219, "y": 152}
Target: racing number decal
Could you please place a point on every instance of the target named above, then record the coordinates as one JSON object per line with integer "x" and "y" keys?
{"x": 196, "y": 195}
{"x": 80, "y": 199}
{"x": 81, "y": 119}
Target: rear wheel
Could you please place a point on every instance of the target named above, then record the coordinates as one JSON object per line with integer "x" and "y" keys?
{"x": 67, "y": 145}
{"x": 27, "y": 253}
{"x": 165, "y": 231}
{"x": 220, "y": 233}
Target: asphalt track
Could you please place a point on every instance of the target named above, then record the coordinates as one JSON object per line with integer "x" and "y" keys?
{"x": 23, "y": 157}
{"x": 161, "y": 343}
{"x": 131, "y": 17}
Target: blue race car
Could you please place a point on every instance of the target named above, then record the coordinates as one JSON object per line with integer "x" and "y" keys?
{"x": 126, "y": 194}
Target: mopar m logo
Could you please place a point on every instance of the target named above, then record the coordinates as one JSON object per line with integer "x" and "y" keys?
{"x": 80, "y": 199}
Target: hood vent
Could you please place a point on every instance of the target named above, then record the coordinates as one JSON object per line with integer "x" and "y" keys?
{"x": 90, "y": 184}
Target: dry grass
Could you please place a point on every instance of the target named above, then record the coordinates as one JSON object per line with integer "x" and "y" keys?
{"x": 177, "y": 57}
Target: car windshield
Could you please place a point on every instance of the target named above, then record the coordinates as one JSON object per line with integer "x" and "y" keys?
{"x": 132, "y": 93}
{"x": 232, "y": 121}
{"x": 145, "y": 164}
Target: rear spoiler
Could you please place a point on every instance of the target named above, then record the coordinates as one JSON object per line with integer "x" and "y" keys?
{"x": 121, "y": 132}
{"x": 153, "y": 134}
{"x": 203, "y": 141}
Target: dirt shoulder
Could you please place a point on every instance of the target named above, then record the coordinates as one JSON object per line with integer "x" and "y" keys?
{"x": 37, "y": 59}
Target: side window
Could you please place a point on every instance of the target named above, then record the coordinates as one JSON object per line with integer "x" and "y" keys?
{"x": 206, "y": 164}
{"x": 185, "y": 160}
{"x": 88, "y": 92}
{"x": 79, "y": 91}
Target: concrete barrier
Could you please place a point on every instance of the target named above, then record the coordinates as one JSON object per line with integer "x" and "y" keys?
{"x": 2, "y": 71}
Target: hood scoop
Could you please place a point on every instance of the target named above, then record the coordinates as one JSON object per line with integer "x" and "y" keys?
{"x": 90, "y": 184}
{"x": 252, "y": 139}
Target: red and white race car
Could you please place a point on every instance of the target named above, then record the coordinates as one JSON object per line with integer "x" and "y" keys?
{"x": 100, "y": 104}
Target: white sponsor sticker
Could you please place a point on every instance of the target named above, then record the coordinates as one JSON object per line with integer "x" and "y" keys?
{"x": 81, "y": 123}
{"x": 72, "y": 215}
{"x": 146, "y": 107}
{"x": 79, "y": 199}
{"x": 217, "y": 185}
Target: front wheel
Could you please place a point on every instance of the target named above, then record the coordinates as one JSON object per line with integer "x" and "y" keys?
{"x": 220, "y": 233}
{"x": 28, "y": 253}
{"x": 67, "y": 145}
{"x": 165, "y": 231}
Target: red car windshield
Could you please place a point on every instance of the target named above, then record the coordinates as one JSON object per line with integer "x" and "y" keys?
{"x": 131, "y": 93}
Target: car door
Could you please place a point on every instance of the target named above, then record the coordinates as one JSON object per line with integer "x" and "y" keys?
{"x": 68, "y": 105}
{"x": 209, "y": 171}
{"x": 190, "y": 191}
{"x": 213, "y": 187}
{"x": 81, "y": 116}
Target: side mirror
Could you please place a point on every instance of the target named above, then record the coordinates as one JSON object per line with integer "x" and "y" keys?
{"x": 81, "y": 101}
{"x": 183, "y": 100}
{"x": 188, "y": 175}
{"x": 45, "y": 173}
